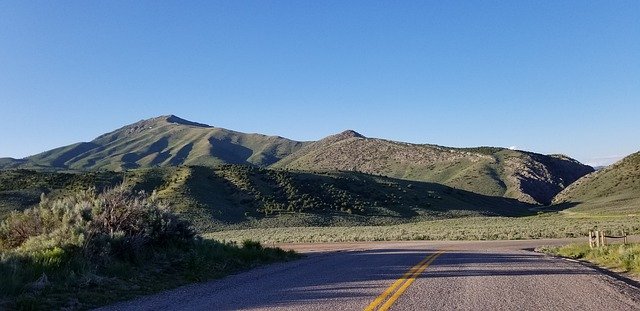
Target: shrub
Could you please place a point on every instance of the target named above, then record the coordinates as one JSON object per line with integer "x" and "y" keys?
{"x": 116, "y": 221}
{"x": 89, "y": 249}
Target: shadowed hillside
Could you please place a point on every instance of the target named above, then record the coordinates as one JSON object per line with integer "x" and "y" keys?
{"x": 245, "y": 196}
{"x": 612, "y": 190}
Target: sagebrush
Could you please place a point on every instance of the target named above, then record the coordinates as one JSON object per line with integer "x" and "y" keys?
{"x": 87, "y": 249}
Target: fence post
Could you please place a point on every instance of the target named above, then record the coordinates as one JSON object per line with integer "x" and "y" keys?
{"x": 597, "y": 238}
{"x": 604, "y": 241}
{"x": 590, "y": 239}
{"x": 624, "y": 234}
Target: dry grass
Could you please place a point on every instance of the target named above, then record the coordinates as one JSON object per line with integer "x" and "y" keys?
{"x": 471, "y": 228}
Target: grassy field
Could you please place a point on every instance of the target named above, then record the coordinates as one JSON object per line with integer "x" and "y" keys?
{"x": 620, "y": 258}
{"x": 550, "y": 225}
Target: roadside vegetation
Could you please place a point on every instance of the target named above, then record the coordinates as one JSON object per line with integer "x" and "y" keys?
{"x": 617, "y": 257}
{"x": 88, "y": 249}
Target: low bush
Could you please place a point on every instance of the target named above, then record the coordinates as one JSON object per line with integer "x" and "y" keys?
{"x": 115, "y": 222}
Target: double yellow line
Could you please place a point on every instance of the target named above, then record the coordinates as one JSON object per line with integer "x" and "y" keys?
{"x": 399, "y": 286}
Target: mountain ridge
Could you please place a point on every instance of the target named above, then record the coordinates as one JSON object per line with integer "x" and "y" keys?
{"x": 169, "y": 140}
{"x": 526, "y": 176}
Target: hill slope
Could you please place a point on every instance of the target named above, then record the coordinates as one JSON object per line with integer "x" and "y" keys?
{"x": 166, "y": 141}
{"x": 525, "y": 176}
{"x": 612, "y": 190}
{"x": 240, "y": 196}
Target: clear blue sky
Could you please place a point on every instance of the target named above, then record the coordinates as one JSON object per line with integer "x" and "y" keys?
{"x": 544, "y": 76}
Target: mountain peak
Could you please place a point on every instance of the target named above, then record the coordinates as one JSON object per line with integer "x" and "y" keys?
{"x": 175, "y": 119}
{"x": 349, "y": 134}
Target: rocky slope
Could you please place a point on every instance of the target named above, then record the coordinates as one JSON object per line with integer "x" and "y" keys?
{"x": 525, "y": 176}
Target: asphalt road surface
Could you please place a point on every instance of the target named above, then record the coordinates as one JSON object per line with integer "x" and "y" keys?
{"x": 497, "y": 275}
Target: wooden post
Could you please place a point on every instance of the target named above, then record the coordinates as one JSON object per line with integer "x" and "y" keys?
{"x": 590, "y": 239}
{"x": 624, "y": 237}
{"x": 602, "y": 235}
{"x": 597, "y": 238}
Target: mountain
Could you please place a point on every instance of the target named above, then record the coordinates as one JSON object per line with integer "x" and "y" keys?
{"x": 526, "y": 176}
{"x": 614, "y": 189}
{"x": 166, "y": 141}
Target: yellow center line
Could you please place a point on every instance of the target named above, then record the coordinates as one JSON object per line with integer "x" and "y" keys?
{"x": 405, "y": 280}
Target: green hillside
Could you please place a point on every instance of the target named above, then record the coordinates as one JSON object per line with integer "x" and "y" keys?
{"x": 166, "y": 141}
{"x": 20, "y": 189}
{"x": 525, "y": 176}
{"x": 238, "y": 196}
{"x": 169, "y": 141}
{"x": 612, "y": 190}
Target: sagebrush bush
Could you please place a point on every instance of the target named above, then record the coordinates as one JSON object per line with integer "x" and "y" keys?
{"x": 116, "y": 221}
{"x": 88, "y": 249}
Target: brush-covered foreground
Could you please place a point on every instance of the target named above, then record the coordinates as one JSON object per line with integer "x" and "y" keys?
{"x": 618, "y": 257}
{"x": 88, "y": 249}
{"x": 549, "y": 225}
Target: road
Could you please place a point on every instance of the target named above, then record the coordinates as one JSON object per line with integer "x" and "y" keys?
{"x": 495, "y": 275}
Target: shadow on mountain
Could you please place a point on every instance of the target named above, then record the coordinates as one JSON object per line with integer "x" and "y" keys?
{"x": 229, "y": 152}
{"x": 130, "y": 160}
{"x": 243, "y": 196}
{"x": 181, "y": 155}
{"x": 73, "y": 152}
{"x": 255, "y": 197}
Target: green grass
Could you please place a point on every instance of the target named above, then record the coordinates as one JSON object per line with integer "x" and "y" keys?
{"x": 551, "y": 225}
{"x": 618, "y": 257}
